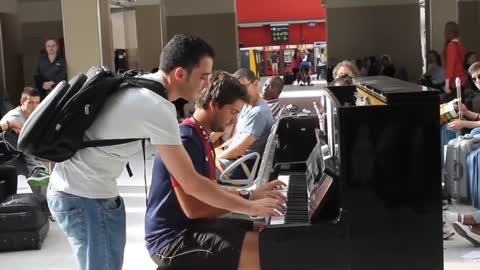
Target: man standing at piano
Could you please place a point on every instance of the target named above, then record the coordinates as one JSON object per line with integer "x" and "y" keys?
{"x": 252, "y": 130}
{"x": 183, "y": 232}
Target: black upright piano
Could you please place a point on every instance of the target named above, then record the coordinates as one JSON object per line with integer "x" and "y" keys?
{"x": 382, "y": 136}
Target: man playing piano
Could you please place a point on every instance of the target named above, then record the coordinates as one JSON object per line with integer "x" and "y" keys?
{"x": 183, "y": 232}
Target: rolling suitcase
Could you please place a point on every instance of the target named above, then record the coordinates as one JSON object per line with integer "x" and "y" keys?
{"x": 455, "y": 169}
{"x": 23, "y": 223}
{"x": 473, "y": 165}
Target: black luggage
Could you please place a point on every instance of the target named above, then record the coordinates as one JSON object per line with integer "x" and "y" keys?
{"x": 8, "y": 181}
{"x": 8, "y": 146}
{"x": 288, "y": 78}
{"x": 296, "y": 137}
{"x": 23, "y": 223}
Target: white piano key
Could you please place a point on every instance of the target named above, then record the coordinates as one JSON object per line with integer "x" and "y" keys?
{"x": 284, "y": 178}
{"x": 281, "y": 219}
{"x": 277, "y": 220}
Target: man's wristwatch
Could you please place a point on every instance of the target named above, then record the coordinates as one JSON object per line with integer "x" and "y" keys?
{"x": 246, "y": 194}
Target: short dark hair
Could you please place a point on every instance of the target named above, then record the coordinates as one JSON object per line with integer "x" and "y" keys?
{"x": 184, "y": 50}
{"x": 277, "y": 84}
{"x": 245, "y": 73}
{"x": 223, "y": 89}
{"x": 468, "y": 55}
{"x": 474, "y": 67}
{"x": 30, "y": 91}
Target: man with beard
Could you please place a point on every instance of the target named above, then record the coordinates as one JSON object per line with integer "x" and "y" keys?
{"x": 183, "y": 232}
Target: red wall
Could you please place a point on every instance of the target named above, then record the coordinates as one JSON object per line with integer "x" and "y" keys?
{"x": 261, "y": 36}
{"x": 279, "y": 10}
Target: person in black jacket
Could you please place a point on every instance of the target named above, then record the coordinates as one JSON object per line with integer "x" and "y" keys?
{"x": 51, "y": 67}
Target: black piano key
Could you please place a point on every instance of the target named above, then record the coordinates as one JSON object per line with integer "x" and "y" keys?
{"x": 297, "y": 209}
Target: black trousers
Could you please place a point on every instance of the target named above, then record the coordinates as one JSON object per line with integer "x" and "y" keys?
{"x": 8, "y": 181}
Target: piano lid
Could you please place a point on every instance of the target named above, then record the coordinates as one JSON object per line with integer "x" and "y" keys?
{"x": 393, "y": 90}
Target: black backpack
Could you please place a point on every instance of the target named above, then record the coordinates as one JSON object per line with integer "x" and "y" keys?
{"x": 8, "y": 146}
{"x": 55, "y": 130}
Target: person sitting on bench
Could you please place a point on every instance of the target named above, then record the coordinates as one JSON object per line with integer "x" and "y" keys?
{"x": 38, "y": 175}
{"x": 252, "y": 130}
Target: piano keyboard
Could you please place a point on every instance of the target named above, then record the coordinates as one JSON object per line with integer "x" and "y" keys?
{"x": 297, "y": 203}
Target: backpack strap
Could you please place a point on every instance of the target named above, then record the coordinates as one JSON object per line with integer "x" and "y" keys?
{"x": 145, "y": 171}
{"x": 151, "y": 85}
{"x": 98, "y": 143}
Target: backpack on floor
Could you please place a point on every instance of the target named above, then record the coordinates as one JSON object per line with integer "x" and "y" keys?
{"x": 55, "y": 130}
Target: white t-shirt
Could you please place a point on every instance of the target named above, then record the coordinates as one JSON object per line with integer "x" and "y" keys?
{"x": 129, "y": 113}
{"x": 15, "y": 114}
{"x": 321, "y": 60}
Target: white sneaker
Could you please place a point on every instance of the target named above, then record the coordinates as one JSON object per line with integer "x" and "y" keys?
{"x": 450, "y": 217}
{"x": 447, "y": 233}
{"x": 465, "y": 232}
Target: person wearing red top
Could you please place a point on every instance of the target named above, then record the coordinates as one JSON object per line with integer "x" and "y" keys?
{"x": 453, "y": 55}
{"x": 297, "y": 59}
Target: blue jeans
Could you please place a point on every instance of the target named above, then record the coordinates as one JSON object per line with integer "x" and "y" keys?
{"x": 96, "y": 228}
{"x": 475, "y": 131}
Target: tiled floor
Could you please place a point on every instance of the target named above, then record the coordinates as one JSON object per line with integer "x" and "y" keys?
{"x": 56, "y": 253}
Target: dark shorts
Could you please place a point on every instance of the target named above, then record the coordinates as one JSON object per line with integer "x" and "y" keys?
{"x": 206, "y": 244}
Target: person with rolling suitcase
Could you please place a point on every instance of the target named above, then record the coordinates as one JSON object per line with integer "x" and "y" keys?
{"x": 469, "y": 186}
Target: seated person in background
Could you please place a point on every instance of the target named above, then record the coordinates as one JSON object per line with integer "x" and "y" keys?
{"x": 270, "y": 92}
{"x": 305, "y": 66}
{"x": 345, "y": 68}
{"x": 182, "y": 232}
{"x": 252, "y": 129}
{"x": 466, "y": 225}
{"x": 473, "y": 117}
{"x": 37, "y": 171}
{"x": 434, "y": 76}
{"x": 344, "y": 80}
{"x": 386, "y": 66}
